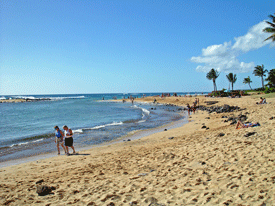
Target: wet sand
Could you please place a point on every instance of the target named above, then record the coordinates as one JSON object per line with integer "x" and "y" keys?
{"x": 188, "y": 165}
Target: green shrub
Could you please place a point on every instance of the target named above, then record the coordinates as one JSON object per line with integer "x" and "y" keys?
{"x": 259, "y": 89}
{"x": 269, "y": 90}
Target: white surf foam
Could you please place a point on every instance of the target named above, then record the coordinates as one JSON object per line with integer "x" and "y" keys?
{"x": 78, "y": 131}
{"x": 106, "y": 125}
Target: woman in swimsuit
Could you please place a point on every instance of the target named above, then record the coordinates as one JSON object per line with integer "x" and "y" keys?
{"x": 59, "y": 139}
{"x": 68, "y": 139}
{"x": 241, "y": 125}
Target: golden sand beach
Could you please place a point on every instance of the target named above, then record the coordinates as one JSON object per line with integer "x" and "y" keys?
{"x": 189, "y": 165}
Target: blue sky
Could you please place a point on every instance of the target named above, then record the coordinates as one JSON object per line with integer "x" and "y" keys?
{"x": 93, "y": 46}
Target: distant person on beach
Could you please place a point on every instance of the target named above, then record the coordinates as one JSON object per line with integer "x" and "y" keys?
{"x": 262, "y": 101}
{"x": 68, "y": 133}
{"x": 196, "y": 101}
{"x": 242, "y": 125}
{"x": 59, "y": 139}
{"x": 194, "y": 107}
{"x": 188, "y": 108}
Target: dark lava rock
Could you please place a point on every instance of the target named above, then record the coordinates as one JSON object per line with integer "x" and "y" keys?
{"x": 203, "y": 127}
{"x": 250, "y": 133}
{"x": 233, "y": 122}
{"x": 133, "y": 203}
{"x": 39, "y": 181}
{"x": 211, "y": 102}
{"x": 220, "y": 109}
{"x": 242, "y": 117}
{"x": 151, "y": 200}
{"x": 221, "y": 134}
{"x": 43, "y": 190}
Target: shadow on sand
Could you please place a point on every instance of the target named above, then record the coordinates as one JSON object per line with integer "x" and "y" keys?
{"x": 79, "y": 154}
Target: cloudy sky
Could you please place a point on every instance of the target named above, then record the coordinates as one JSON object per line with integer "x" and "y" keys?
{"x": 225, "y": 57}
{"x": 109, "y": 46}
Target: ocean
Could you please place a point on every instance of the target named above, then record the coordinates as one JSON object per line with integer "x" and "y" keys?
{"x": 27, "y": 129}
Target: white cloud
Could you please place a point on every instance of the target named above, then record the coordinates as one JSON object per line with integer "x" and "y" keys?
{"x": 221, "y": 49}
{"x": 224, "y": 57}
{"x": 254, "y": 39}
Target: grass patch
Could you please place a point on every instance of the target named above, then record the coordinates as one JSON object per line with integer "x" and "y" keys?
{"x": 255, "y": 95}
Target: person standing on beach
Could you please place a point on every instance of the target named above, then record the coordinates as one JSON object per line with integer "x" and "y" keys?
{"x": 188, "y": 108}
{"x": 59, "y": 139}
{"x": 68, "y": 133}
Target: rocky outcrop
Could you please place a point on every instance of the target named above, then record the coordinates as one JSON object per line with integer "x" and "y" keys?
{"x": 220, "y": 109}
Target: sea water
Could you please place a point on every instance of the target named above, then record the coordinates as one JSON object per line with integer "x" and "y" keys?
{"x": 27, "y": 129}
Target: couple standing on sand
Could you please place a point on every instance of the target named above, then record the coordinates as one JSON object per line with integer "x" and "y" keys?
{"x": 68, "y": 134}
{"x": 194, "y": 107}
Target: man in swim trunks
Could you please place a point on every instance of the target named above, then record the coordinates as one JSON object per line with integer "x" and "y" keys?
{"x": 59, "y": 139}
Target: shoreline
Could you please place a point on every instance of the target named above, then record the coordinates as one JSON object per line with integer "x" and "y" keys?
{"x": 41, "y": 143}
{"x": 216, "y": 166}
{"x": 23, "y": 100}
{"x": 130, "y": 136}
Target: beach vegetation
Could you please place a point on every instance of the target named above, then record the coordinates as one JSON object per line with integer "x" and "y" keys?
{"x": 271, "y": 28}
{"x": 271, "y": 78}
{"x": 260, "y": 72}
{"x": 269, "y": 90}
{"x": 232, "y": 78}
{"x": 247, "y": 81}
{"x": 220, "y": 93}
{"x": 213, "y": 74}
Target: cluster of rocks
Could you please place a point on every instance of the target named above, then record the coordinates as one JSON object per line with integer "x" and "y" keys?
{"x": 220, "y": 109}
{"x": 234, "y": 120}
{"x": 43, "y": 190}
{"x": 210, "y": 102}
{"x": 128, "y": 140}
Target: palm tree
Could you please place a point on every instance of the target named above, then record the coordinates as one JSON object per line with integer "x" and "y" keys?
{"x": 213, "y": 75}
{"x": 260, "y": 72}
{"x": 247, "y": 81}
{"x": 232, "y": 78}
{"x": 271, "y": 78}
{"x": 270, "y": 29}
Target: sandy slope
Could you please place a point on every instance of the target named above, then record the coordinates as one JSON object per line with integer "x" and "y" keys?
{"x": 195, "y": 167}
